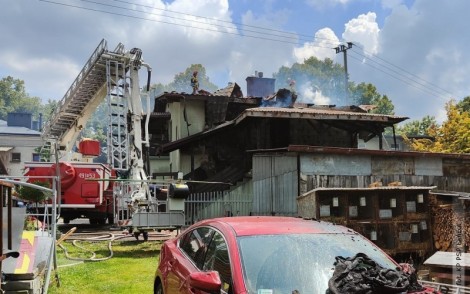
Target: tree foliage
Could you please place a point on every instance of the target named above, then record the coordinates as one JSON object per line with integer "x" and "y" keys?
{"x": 325, "y": 79}
{"x": 314, "y": 76}
{"x": 367, "y": 94}
{"x": 48, "y": 109}
{"x": 13, "y": 98}
{"x": 33, "y": 194}
{"x": 464, "y": 104}
{"x": 418, "y": 127}
{"x": 452, "y": 137}
{"x": 182, "y": 81}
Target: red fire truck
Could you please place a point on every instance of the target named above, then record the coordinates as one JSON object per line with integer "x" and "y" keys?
{"x": 87, "y": 189}
{"x": 79, "y": 196}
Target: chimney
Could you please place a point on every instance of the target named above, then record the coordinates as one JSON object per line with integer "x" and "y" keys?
{"x": 257, "y": 86}
{"x": 15, "y": 119}
{"x": 40, "y": 122}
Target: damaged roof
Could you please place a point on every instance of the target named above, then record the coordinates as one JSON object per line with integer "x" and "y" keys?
{"x": 320, "y": 113}
{"x": 361, "y": 119}
{"x": 232, "y": 90}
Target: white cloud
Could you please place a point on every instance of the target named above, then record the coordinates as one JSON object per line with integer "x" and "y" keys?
{"x": 52, "y": 43}
{"x": 321, "y": 4}
{"x": 391, "y": 3}
{"x": 52, "y": 75}
{"x": 363, "y": 30}
{"x": 321, "y": 47}
{"x": 427, "y": 44}
{"x": 257, "y": 52}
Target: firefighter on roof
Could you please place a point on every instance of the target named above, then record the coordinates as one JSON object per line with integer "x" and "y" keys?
{"x": 195, "y": 82}
{"x": 293, "y": 92}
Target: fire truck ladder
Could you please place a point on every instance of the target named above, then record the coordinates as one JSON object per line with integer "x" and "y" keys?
{"x": 118, "y": 139}
{"x": 118, "y": 133}
{"x": 79, "y": 102}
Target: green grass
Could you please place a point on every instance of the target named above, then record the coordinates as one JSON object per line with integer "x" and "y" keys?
{"x": 130, "y": 270}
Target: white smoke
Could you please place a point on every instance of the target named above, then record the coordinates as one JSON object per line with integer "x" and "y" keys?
{"x": 310, "y": 93}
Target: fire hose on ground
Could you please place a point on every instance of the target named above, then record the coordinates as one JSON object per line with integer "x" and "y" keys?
{"x": 95, "y": 238}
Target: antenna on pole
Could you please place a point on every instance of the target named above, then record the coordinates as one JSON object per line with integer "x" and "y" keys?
{"x": 344, "y": 48}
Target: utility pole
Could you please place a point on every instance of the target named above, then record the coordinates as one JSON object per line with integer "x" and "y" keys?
{"x": 344, "y": 48}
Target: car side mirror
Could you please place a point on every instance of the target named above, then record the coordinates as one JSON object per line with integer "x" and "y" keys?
{"x": 206, "y": 281}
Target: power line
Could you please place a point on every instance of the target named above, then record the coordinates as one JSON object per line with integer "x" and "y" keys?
{"x": 294, "y": 36}
{"x": 421, "y": 81}
{"x": 176, "y": 24}
{"x": 260, "y": 35}
{"x": 288, "y": 35}
{"x": 226, "y": 21}
{"x": 401, "y": 78}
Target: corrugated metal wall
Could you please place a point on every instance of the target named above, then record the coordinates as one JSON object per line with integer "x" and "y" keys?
{"x": 201, "y": 206}
{"x": 275, "y": 185}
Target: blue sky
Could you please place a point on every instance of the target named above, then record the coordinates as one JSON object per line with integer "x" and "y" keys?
{"x": 415, "y": 52}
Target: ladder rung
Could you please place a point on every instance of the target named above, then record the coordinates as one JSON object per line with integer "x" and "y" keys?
{"x": 116, "y": 95}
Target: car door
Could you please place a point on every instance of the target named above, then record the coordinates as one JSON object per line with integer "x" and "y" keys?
{"x": 189, "y": 257}
{"x": 217, "y": 259}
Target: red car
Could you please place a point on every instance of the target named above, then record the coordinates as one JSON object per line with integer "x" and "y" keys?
{"x": 258, "y": 255}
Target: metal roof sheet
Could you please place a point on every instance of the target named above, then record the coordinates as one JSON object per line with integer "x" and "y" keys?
{"x": 376, "y": 188}
{"x": 319, "y": 113}
{"x": 341, "y": 150}
{"x": 5, "y": 148}
{"x": 4, "y": 130}
{"x": 449, "y": 259}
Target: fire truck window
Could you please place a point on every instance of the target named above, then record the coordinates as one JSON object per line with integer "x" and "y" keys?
{"x": 217, "y": 259}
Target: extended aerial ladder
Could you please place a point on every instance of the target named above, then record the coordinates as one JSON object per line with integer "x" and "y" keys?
{"x": 114, "y": 75}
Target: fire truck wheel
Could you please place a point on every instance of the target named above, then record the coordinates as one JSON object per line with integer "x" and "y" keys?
{"x": 146, "y": 236}
{"x": 66, "y": 221}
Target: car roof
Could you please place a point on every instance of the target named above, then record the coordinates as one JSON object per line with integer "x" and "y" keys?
{"x": 271, "y": 225}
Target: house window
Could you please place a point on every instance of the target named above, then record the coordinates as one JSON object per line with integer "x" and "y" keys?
{"x": 36, "y": 157}
{"x": 16, "y": 157}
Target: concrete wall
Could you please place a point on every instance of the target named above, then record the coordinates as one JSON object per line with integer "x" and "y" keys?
{"x": 277, "y": 180}
{"x": 351, "y": 171}
{"x": 25, "y": 145}
{"x": 179, "y": 128}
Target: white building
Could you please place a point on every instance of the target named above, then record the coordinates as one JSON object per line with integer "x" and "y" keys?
{"x": 18, "y": 143}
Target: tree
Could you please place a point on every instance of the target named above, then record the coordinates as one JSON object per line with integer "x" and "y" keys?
{"x": 464, "y": 104}
{"x": 367, "y": 94}
{"x": 13, "y": 98}
{"x": 417, "y": 127}
{"x": 182, "y": 80}
{"x": 322, "y": 82}
{"x": 318, "y": 82}
{"x": 452, "y": 137}
{"x": 48, "y": 109}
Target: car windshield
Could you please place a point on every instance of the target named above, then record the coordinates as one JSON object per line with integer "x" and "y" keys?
{"x": 304, "y": 262}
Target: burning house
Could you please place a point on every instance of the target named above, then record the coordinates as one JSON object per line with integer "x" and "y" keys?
{"x": 273, "y": 156}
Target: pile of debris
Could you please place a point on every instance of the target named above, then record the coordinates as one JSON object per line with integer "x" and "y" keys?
{"x": 362, "y": 275}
